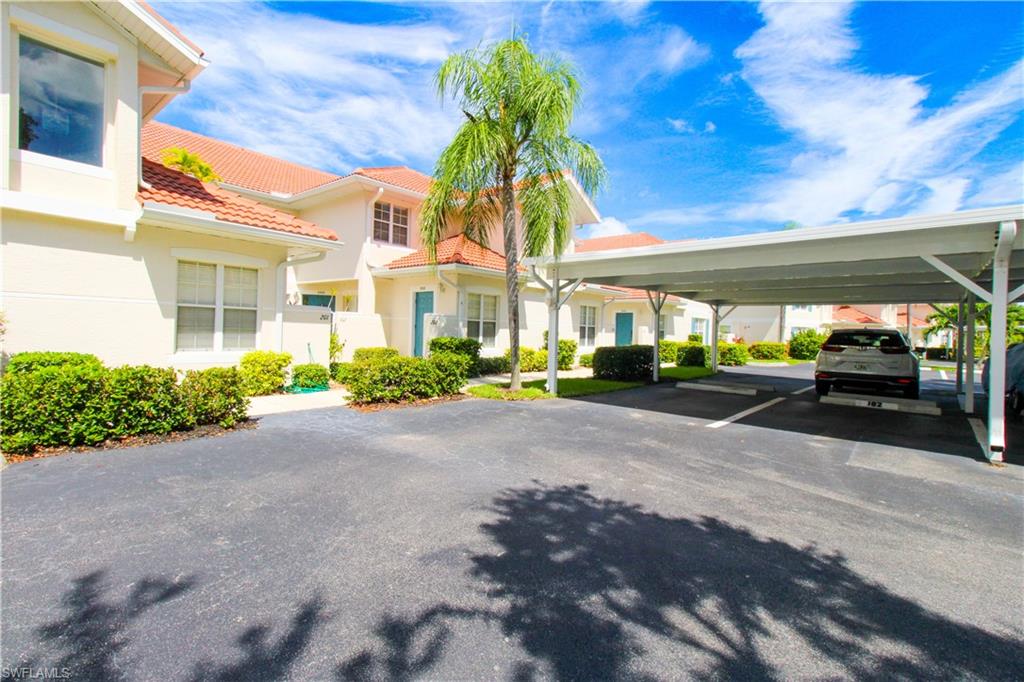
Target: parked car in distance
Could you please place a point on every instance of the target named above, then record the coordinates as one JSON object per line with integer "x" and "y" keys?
{"x": 879, "y": 359}
{"x": 1014, "y": 379}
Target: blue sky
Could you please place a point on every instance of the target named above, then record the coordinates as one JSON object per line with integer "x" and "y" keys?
{"x": 712, "y": 118}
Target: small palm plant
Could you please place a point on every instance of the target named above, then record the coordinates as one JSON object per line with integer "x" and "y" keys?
{"x": 514, "y": 148}
{"x": 185, "y": 161}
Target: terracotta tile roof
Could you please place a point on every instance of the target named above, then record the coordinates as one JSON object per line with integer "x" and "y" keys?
{"x": 627, "y": 293}
{"x": 901, "y": 320}
{"x": 459, "y": 249}
{"x": 235, "y": 165}
{"x": 174, "y": 188}
{"x": 399, "y": 176}
{"x": 847, "y": 313}
{"x": 171, "y": 27}
{"x": 619, "y": 241}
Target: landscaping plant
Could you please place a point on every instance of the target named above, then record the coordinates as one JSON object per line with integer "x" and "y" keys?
{"x": 263, "y": 371}
{"x": 624, "y": 363}
{"x": 470, "y": 348}
{"x": 143, "y": 399}
{"x": 530, "y": 359}
{"x": 374, "y": 353}
{"x": 806, "y": 344}
{"x": 768, "y": 350}
{"x": 392, "y": 379}
{"x": 586, "y": 360}
{"x": 30, "y": 361}
{"x": 310, "y": 375}
{"x": 566, "y": 352}
{"x": 668, "y": 351}
{"x": 493, "y": 365}
{"x": 215, "y": 396}
{"x": 732, "y": 354}
{"x": 693, "y": 354}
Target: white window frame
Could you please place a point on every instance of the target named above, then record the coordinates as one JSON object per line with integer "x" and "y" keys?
{"x": 218, "y": 306}
{"x": 592, "y": 325}
{"x": 391, "y": 223}
{"x": 77, "y": 43}
{"x": 703, "y": 331}
{"x": 480, "y": 316}
{"x": 662, "y": 326}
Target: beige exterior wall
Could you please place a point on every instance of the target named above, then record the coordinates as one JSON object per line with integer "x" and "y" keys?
{"x": 762, "y": 323}
{"x": 80, "y": 287}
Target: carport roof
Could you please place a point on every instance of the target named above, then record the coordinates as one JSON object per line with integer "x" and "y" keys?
{"x": 880, "y": 261}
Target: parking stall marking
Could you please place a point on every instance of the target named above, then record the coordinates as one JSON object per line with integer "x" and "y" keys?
{"x": 802, "y": 390}
{"x": 740, "y": 415}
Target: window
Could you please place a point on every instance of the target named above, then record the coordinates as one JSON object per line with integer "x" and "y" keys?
{"x": 699, "y": 325}
{"x": 204, "y": 290}
{"x": 808, "y": 308}
{"x": 588, "y": 325}
{"x": 793, "y": 331}
{"x": 319, "y": 300}
{"x": 390, "y": 223}
{"x": 60, "y": 103}
{"x": 482, "y": 318}
{"x": 661, "y": 327}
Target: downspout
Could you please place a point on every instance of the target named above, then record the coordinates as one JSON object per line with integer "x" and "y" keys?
{"x": 282, "y": 283}
{"x": 158, "y": 90}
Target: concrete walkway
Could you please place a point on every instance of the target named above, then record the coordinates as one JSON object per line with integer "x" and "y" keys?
{"x": 294, "y": 402}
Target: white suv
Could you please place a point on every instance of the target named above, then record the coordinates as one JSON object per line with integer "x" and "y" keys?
{"x": 868, "y": 358}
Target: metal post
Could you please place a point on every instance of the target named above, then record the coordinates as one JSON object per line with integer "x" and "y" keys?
{"x": 714, "y": 337}
{"x": 997, "y": 341}
{"x": 553, "y": 293}
{"x": 656, "y": 313}
{"x": 960, "y": 346}
{"x": 910, "y": 328}
{"x": 969, "y": 350}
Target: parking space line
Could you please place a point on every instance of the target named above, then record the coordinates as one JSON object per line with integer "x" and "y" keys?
{"x": 740, "y": 415}
{"x": 980, "y": 433}
{"x": 942, "y": 373}
{"x": 803, "y": 390}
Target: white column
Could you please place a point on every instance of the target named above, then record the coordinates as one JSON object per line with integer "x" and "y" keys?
{"x": 997, "y": 342}
{"x": 969, "y": 350}
{"x": 714, "y": 337}
{"x": 552, "y": 296}
{"x": 656, "y": 317}
{"x": 960, "y": 347}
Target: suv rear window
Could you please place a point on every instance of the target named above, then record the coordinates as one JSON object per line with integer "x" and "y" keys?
{"x": 867, "y": 339}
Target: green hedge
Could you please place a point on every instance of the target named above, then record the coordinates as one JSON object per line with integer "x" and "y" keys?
{"x": 768, "y": 350}
{"x": 940, "y": 353}
{"x": 668, "y": 351}
{"x": 310, "y": 375}
{"x": 693, "y": 354}
{"x": 263, "y": 371}
{"x": 85, "y": 404}
{"x": 806, "y": 344}
{"x": 567, "y": 349}
{"x": 530, "y": 359}
{"x": 33, "y": 360}
{"x": 469, "y": 348}
{"x": 374, "y": 353}
{"x": 392, "y": 379}
{"x": 624, "y": 363}
{"x": 732, "y": 354}
{"x": 695, "y": 338}
{"x": 587, "y": 360}
{"x": 493, "y": 365}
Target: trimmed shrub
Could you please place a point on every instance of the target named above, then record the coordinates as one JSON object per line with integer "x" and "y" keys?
{"x": 452, "y": 369}
{"x": 143, "y": 399}
{"x": 530, "y": 360}
{"x": 695, "y": 338}
{"x": 566, "y": 352}
{"x": 693, "y": 354}
{"x": 587, "y": 360}
{"x": 393, "y": 379}
{"x": 940, "y": 353}
{"x": 54, "y": 405}
{"x": 806, "y": 344}
{"x": 374, "y": 353}
{"x": 33, "y": 360}
{"x": 768, "y": 350}
{"x": 310, "y": 375}
{"x": 668, "y": 351}
{"x": 341, "y": 371}
{"x": 732, "y": 354}
{"x": 624, "y": 363}
{"x": 263, "y": 371}
{"x": 469, "y": 348}
{"x": 494, "y": 365}
{"x": 215, "y": 396}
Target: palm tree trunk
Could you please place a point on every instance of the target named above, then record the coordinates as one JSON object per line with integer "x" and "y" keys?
{"x": 508, "y": 201}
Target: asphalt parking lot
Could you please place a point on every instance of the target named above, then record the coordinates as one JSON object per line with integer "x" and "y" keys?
{"x": 619, "y": 536}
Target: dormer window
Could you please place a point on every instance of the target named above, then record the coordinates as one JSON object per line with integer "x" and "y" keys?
{"x": 390, "y": 224}
{"x": 60, "y": 103}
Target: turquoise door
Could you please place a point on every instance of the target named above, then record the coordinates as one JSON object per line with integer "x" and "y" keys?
{"x": 424, "y": 305}
{"x": 623, "y": 329}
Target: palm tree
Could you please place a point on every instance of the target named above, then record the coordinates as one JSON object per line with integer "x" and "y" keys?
{"x": 185, "y": 161}
{"x": 514, "y": 147}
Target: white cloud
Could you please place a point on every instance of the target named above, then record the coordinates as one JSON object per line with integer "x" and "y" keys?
{"x": 679, "y": 51}
{"x": 608, "y": 227}
{"x": 680, "y": 125}
{"x": 710, "y": 127}
{"x": 1006, "y": 187}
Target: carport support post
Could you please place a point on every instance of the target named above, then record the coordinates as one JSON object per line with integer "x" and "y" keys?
{"x": 969, "y": 350}
{"x": 656, "y": 311}
{"x": 714, "y": 337}
{"x": 555, "y": 300}
{"x": 960, "y": 346}
{"x": 997, "y": 341}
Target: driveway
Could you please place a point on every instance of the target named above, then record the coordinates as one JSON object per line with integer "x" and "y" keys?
{"x": 618, "y": 537}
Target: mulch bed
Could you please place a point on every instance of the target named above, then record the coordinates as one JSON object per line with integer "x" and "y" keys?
{"x": 380, "y": 407}
{"x": 205, "y": 431}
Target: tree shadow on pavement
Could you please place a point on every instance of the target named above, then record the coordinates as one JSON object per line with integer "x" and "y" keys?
{"x": 589, "y": 585}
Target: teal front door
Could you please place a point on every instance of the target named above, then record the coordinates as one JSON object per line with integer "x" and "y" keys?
{"x": 424, "y": 305}
{"x": 623, "y": 329}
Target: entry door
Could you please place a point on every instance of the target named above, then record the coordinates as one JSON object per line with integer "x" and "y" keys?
{"x": 424, "y": 305}
{"x": 623, "y": 329}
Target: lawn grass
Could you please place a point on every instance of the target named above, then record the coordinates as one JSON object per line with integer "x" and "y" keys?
{"x": 787, "y": 361}
{"x": 502, "y": 392}
{"x": 573, "y": 388}
{"x": 684, "y": 373}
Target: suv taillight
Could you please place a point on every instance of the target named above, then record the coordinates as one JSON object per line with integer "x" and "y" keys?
{"x": 895, "y": 350}
{"x": 832, "y": 349}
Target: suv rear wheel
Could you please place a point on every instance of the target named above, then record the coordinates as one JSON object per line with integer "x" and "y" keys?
{"x": 821, "y": 387}
{"x": 913, "y": 391}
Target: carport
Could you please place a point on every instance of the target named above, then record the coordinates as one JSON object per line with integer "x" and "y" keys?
{"x": 954, "y": 257}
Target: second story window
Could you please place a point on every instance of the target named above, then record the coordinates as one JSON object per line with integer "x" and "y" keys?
{"x": 390, "y": 224}
{"x": 60, "y": 103}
